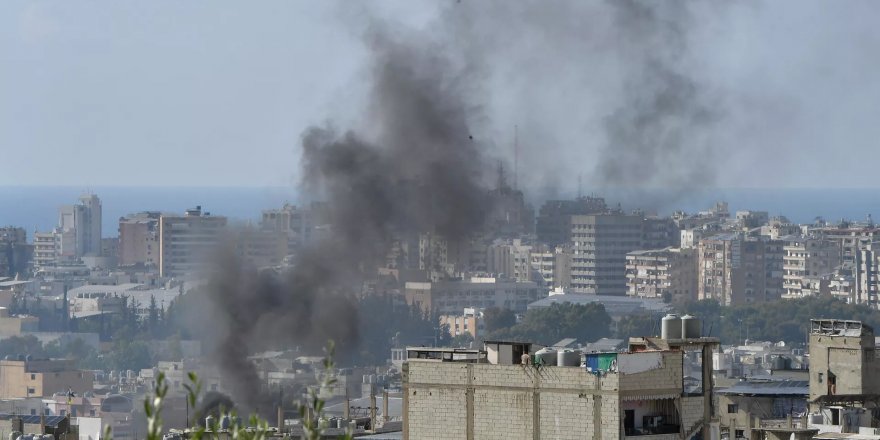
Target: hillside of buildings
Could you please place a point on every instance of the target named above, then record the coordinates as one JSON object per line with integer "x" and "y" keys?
{"x": 250, "y": 306}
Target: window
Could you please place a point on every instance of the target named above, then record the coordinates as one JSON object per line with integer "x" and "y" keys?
{"x": 31, "y": 390}
{"x": 732, "y": 408}
{"x": 33, "y": 376}
{"x": 91, "y": 413}
{"x": 63, "y": 412}
{"x": 33, "y": 412}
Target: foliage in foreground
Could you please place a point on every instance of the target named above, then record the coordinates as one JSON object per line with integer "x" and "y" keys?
{"x": 311, "y": 412}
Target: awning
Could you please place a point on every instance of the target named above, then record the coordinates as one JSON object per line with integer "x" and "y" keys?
{"x": 631, "y": 397}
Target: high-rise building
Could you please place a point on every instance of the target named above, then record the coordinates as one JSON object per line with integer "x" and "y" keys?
{"x": 553, "y": 265}
{"x": 850, "y": 239}
{"x": 510, "y": 259}
{"x": 15, "y": 252}
{"x": 82, "y": 224}
{"x": 866, "y": 276}
{"x": 139, "y": 239}
{"x": 806, "y": 260}
{"x": 44, "y": 249}
{"x": 734, "y": 269}
{"x": 659, "y": 273}
{"x": 186, "y": 242}
{"x": 599, "y": 247}
{"x": 554, "y": 220}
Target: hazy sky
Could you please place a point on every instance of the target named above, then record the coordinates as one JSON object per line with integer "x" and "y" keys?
{"x": 219, "y": 92}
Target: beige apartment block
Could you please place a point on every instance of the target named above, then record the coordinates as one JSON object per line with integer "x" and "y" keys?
{"x": 662, "y": 272}
{"x": 43, "y": 377}
{"x": 734, "y": 269}
{"x": 805, "y": 260}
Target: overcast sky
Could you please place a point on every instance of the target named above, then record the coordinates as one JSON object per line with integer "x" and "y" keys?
{"x": 217, "y": 93}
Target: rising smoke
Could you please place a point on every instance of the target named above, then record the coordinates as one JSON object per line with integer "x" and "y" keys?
{"x": 420, "y": 169}
{"x": 657, "y": 137}
{"x": 421, "y": 163}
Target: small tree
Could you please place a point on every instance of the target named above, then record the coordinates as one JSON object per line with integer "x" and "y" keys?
{"x": 257, "y": 429}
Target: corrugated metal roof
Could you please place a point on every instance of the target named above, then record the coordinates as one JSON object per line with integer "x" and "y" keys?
{"x": 51, "y": 421}
{"x": 777, "y": 388}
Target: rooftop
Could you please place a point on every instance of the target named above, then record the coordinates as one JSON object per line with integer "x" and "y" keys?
{"x": 838, "y": 327}
{"x": 770, "y": 388}
{"x": 615, "y": 305}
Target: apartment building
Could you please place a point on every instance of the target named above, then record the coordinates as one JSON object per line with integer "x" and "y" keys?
{"x": 24, "y": 378}
{"x": 850, "y": 239}
{"x": 44, "y": 249}
{"x": 805, "y": 261}
{"x": 470, "y": 321}
{"x": 15, "y": 252}
{"x": 599, "y": 247}
{"x": 552, "y": 265}
{"x": 139, "y": 239}
{"x": 83, "y": 222}
{"x": 662, "y": 273}
{"x": 734, "y": 269}
{"x": 866, "y": 276}
{"x": 510, "y": 259}
{"x": 553, "y": 226}
{"x": 450, "y": 297}
{"x": 186, "y": 242}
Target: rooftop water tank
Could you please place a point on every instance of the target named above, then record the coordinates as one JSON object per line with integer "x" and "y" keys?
{"x": 209, "y": 422}
{"x": 691, "y": 327}
{"x": 779, "y": 363}
{"x": 225, "y": 422}
{"x": 568, "y": 358}
{"x": 670, "y": 327}
{"x": 546, "y": 355}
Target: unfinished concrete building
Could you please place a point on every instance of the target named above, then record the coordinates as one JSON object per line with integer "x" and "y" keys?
{"x": 656, "y": 389}
{"x": 844, "y": 376}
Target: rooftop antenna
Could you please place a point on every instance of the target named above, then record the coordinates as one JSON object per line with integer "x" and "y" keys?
{"x": 515, "y": 155}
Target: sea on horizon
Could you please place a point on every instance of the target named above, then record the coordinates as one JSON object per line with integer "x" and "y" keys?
{"x": 36, "y": 207}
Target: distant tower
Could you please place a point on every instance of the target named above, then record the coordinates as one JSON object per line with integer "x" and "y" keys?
{"x": 502, "y": 180}
{"x": 515, "y": 155}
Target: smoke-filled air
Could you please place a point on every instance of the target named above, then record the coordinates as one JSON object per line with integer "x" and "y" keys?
{"x": 419, "y": 170}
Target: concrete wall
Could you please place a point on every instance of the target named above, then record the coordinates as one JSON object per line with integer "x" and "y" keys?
{"x": 485, "y": 401}
{"x": 851, "y": 359}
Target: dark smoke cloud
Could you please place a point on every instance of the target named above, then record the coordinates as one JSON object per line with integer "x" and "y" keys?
{"x": 618, "y": 74}
{"x": 419, "y": 168}
{"x": 658, "y": 134}
{"x": 616, "y": 92}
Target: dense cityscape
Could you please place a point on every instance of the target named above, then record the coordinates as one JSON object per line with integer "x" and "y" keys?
{"x": 455, "y": 219}
{"x": 90, "y": 318}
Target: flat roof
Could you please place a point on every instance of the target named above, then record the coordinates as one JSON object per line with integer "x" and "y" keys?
{"x": 614, "y": 305}
{"x": 774, "y": 388}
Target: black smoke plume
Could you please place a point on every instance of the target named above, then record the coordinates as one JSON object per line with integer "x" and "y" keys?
{"x": 418, "y": 168}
